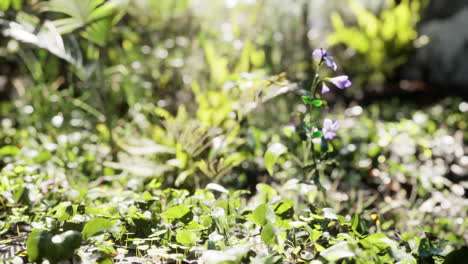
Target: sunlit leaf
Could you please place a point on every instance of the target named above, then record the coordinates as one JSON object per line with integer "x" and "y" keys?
{"x": 263, "y": 215}
{"x": 186, "y": 237}
{"x": 175, "y": 212}
{"x": 338, "y": 251}
{"x": 272, "y": 154}
{"x": 268, "y": 234}
{"x": 96, "y": 226}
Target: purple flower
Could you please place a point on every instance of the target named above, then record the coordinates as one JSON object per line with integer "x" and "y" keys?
{"x": 45, "y": 184}
{"x": 329, "y": 128}
{"x": 324, "y": 56}
{"x": 341, "y": 81}
{"x": 325, "y": 88}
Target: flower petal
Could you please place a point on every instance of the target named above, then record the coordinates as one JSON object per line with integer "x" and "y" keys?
{"x": 325, "y": 88}
{"x": 341, "y": 81}
{"x": 335, "y": 126}
{"x": 329, "y": 135}
{"x": 330, "y": 63}
{"x": 319, "y": 53}
{"x": 327, "y": 123}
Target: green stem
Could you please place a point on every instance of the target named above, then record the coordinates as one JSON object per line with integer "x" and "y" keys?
{"x": 310, "y": 143}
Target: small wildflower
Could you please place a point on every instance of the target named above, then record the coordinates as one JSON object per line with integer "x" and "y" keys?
{"x": 65, "y": 185}
{"x": 324, "y": 56}
{"x": 325, "y": 88}
{"x": 329, "y": 128}
{"x": 45, "y": 184}
{"x": 341, "y": 81}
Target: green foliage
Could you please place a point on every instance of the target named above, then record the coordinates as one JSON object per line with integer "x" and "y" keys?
{"x": 43, "y": 245}
{"x": 96, "y": 226}
{"x": 272, "y": 154}
{"x": 94, "y": 16}
{"x": 381, "y": 42}
{"x": 117, "y": 105}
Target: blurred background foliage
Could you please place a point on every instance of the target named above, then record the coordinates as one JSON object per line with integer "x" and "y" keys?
{"x": 183, "y": 93}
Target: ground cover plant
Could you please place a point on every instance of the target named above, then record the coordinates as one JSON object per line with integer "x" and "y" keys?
{"x": 162, "y": 132}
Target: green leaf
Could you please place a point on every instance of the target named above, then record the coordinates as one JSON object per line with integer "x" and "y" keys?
{"x": 307, "y": 99}
{"x": 285, "y": 209}
{"x": 310, "y": 100}
{"x": 96, "y": 18}
{"x": 355, "y": 222}
{"x": 36, "y": 243}
{"x": 104, "y": 11}
{"x": 175, "y": 212}
{"x": 263, "y": 215}
{"x": 272, "y": 155}
{"x": 99, "y": 32}
{"x": 267, "y": 193}
{"x": 4, "y": 5}
{"x": 268, "y": 234}
{"x": 186, "y": 237}
{"x": 317, "y": 134}
{"x": 96, "y": 226}
{"x": 9, "y": 151}
{"x": 358, "y": 226}
{"x": 338, "y": 251}
{"x": 17, "y": 4}
{"x": 47, "y": 38}
{"x": 67, "y": 25}
{"x": 63, "y": 245}
{"x": 80, "y": 9}
{"x": 375, "y": 241}
{"x": 64, "y": 211}
{"x": 206, "y": 221}
{"x": 317, "y": 103}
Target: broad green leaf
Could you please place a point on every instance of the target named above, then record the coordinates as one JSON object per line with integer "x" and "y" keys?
{"x": 63, "y": 245}
{"x": 375, "y": 240}
{"x": 317, "y": 103}
{"x": 64, "y": 211}
{"x": 36, "y": 243}
{"x": 17, "y": 4}
{"x": 267, "y": 193}
{"x": 194, "y": 226}
{"x": 206, "y": 220}
{"x": 4, "y": 5}
{"x": 268, "y": 234}
{"x": 317, "y": 134}
{"x": 41, "y": 244}
{"x": 175, "y": 212}
{"x": 263, "y": 215}
{"x": 338, "y": 251}
{"x": 307, "y": 99}
{"x": 285, "y": 209}
{"x": 186, "y": 237}
{"x": 9, "y": 151}
{"x": 272, "y": 154}
{"x": 96, "y": 226}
